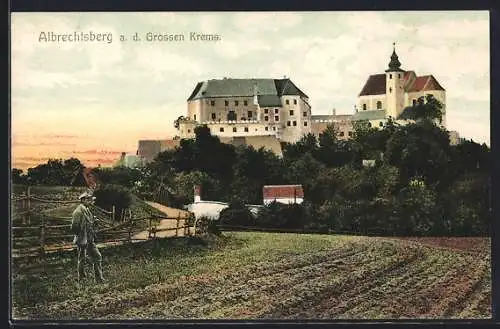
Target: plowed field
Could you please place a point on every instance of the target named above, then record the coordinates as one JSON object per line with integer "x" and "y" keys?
{"x": 269, "y": 276}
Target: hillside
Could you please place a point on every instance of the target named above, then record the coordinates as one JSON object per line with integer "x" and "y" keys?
{"x": 269, "y": 276}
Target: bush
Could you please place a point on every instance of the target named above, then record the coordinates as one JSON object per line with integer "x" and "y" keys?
{"x": 205, "y": 225}
{"x": 110, "y": 195}
{"x": 236, "y": 214}
{"x": 286, "y": 216}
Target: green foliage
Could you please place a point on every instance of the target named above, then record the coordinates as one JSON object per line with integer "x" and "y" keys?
{"x": 110, "y": 195}
{"x": 124, "y": 176}
{"x": 277, "y": 215}
{"x": 420, "y": 184}
{"x": 56, "y": 172}
{"x": 236, "y": 214}
{"x": 183, "y": 185}
{"x": 17, "y": 176}
{"x": 427, "y": 108}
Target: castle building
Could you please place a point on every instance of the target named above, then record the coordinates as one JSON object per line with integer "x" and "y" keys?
{"x": 395, "y": 94}
{"x": 248, "y": 107}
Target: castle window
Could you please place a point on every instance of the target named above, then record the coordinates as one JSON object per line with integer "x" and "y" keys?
{"x": 288, "y": 123}
{"x": 295, "y": 101}
{"x": 364, "y": 107}
{"x": 295, "y": 123}
{"x": 341, "y": 134}
{"x": 234, "y": 129}
{"x": 231, "y": 116}
{"x": 390, "y": 89}
{"x": 305, "y": 123}
{"x": 194, "y": 116}
{"x": 276, "y": 111}
{"x": 266, "y": 128}
{"x": 379, "y": 105}
{"x": 212, "y": 103}
{"x": 399, "y": 75}
{"x": 266, "y": 118}
{"x": 213, "y": 116}
{"x": 350, "y": 133}
{"x": 291, "y": 112}
{"x": 236, "y": 103}
{"x": 221, "y": 129}
{"x": 287, "y": 102}
{"x": 276, "y": 118}
{"x": 305, "y": 114}
{"x": 226, "y": 103}
{"x": 414, "y": 102}
{"x": 246, "y": 129}
{"x": 250, "y": 114}
{"x": 390, "y": 76}
{"x": 274, "y": 128}
{"x": 266, "y": 111}
{"x": 245, "y": 103}
{"x": 369, "y": 124}
{"x": 189, "y": 131}
{"x": 381, "y": 124}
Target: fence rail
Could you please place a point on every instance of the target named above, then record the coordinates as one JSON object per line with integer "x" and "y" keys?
{"x": 42, "y": 232}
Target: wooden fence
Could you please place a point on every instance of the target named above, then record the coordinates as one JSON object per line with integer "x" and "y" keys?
{"x": 36, "y": 231}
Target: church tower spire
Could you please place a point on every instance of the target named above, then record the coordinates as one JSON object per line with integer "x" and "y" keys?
{"x": 394, "y": 77}
{"x": 394, "y": 64}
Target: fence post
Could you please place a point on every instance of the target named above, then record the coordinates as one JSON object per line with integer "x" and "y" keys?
{"x": 28, "y": 201}
{"x": 150, "y": 227}
{"x": 23, "y": 209}
{"x": 113, "y": 213}
{"x": 177, "y": 227}
{"x": 186, "y": 228}
{"x": 130, "y": 230}
{"x": 42, "y": 238}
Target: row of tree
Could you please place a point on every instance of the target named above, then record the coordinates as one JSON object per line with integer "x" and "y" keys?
{"x": 420, "y": 183}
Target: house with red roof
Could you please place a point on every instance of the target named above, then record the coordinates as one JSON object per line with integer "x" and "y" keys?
{"x": 287, "y": 194}
{"x": 395, "y": 93}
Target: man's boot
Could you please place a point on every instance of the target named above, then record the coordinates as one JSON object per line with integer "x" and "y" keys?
{"x": 98, "y": 272}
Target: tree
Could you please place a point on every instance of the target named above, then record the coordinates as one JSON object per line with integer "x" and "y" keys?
{"x": 17, "y": 176}
{"x": 332, "y": 151}
{"x": 307, "y": 144}
{"x": 417, "y": 209}
{"x": 427, "y": 108}
{"x": 420, "y": 149}
{"x": 111, "y": 195}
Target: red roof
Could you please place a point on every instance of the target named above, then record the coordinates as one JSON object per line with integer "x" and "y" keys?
{"x": 282, "y": 191}
{"x": 419, "y": 83}
{"x": 375, "y": 85}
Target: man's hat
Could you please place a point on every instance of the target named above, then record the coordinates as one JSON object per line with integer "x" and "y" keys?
{"x": 86, "y": 195}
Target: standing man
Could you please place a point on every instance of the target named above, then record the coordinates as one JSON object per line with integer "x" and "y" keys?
{"x": 82, "y": 225}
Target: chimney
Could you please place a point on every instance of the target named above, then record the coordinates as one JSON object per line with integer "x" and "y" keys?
{"x": 255, "y": 94}
{"x": 197, "y": 193}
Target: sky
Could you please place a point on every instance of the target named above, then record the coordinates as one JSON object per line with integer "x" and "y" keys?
{"x": 94, "y": 100}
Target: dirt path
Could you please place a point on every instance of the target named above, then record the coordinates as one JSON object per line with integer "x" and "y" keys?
{"x": 167, "y": 223}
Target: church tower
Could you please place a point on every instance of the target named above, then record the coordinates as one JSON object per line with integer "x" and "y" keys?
{"x": 394, "y": 81}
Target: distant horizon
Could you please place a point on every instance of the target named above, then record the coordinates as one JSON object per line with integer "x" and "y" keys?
{"x": 95, "y": 100}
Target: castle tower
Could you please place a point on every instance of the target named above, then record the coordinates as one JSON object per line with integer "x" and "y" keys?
{"x": 394, "y": 86}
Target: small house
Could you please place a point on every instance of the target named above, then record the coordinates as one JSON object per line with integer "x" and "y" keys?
{"x": 287, "y": 194}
